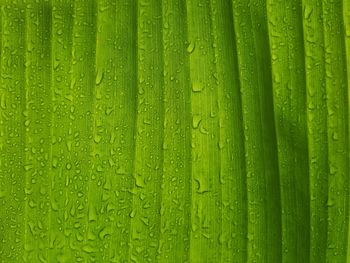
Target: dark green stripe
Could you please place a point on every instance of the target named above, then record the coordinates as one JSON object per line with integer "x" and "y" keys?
{"x": 338, "y": 131}
{"x": 264, "y": 222}
{"x": 38, "y": 129}
{"x": 175, "y": 222}
{"x": 61, "y": 40}
{"x": 79, "y": 170}
{"x": 233, "y": 235}
{"x": 124, "y": 115}
{"x": 346, "y": 17}
{"x": 145, "y": 214}
{"x": 12, "y": 104}
{"x": 288, "y": 71}
{"x": 316, "y": 127}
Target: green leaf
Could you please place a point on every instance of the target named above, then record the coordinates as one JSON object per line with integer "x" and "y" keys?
{"x": 174, "y": 131}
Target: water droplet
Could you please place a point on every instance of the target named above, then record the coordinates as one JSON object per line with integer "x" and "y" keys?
{"x": 69, "y": 97}
{"x": 99, "y": 77}
{"x": 196, "y": 120}
{"x": 54, "y": 162}
{"x": 307, "y": 11}
{"x": 197, "y": 87}
{"x": 132, "y": 213}
{"x": 191, "y": 47}
{"x": 92, "y": 213}
{"x": 104, "y": 232}
{"x": 97, "y": 138}
{"x": 88, "y": 249}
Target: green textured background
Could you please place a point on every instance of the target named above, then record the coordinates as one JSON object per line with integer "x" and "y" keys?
{"x": 174, "y": 131}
